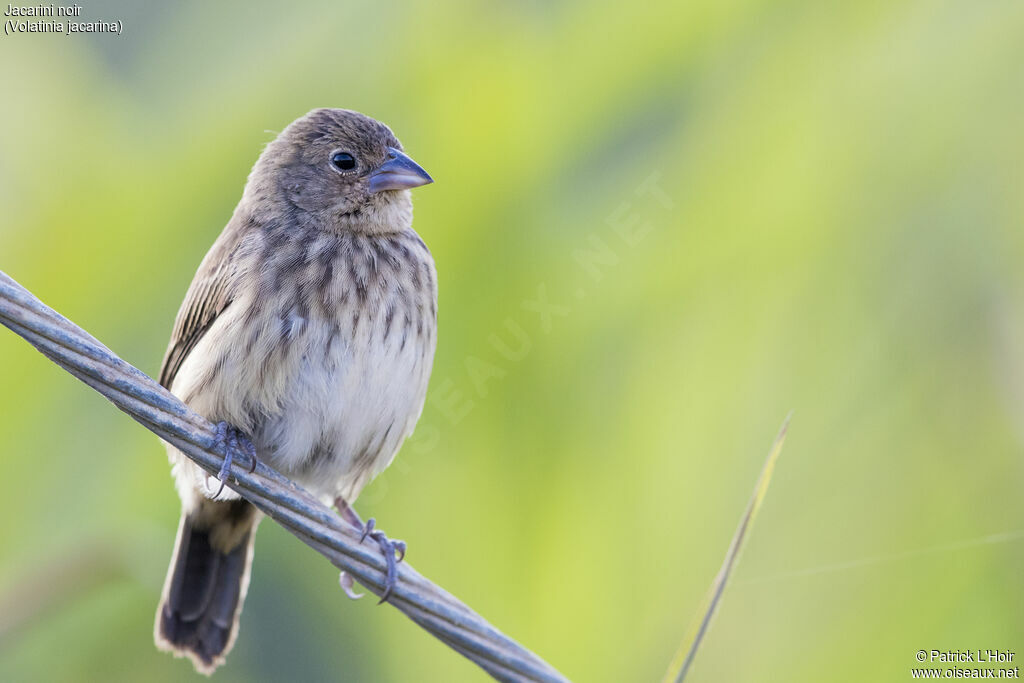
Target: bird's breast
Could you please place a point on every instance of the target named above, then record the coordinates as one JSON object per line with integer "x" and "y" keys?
{"x": 325, "y": 358}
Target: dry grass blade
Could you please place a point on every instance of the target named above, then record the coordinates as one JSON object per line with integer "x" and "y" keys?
{"x": 681, "y": 662}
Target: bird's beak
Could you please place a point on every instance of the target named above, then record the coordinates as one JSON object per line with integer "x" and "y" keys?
{"x": 399, "y": 172}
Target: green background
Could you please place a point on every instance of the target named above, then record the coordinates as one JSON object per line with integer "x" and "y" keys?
{"x": 840, "y": 234}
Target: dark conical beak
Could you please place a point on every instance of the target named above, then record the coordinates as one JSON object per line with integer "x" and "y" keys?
{"x": 399, "y": 172}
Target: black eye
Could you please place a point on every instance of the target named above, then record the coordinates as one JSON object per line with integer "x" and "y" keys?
{"x": 343, "y": 161}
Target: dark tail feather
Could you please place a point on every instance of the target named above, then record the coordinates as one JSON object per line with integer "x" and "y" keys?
{"x": 206, "y": 583}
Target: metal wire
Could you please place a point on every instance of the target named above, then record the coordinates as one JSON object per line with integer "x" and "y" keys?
{"x": 316, "y": 525}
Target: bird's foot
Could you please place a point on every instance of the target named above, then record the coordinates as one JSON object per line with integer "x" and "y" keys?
{"x": 229, "y": 439}
{"x": 394, "y": 551}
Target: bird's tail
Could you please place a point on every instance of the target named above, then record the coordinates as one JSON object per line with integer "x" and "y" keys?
{"x": 206, "y": 582}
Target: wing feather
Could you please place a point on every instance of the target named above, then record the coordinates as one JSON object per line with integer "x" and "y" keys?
{"x": 209, "y": 295}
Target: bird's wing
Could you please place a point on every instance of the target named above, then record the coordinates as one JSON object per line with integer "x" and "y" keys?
{"x": 208, "y": 296}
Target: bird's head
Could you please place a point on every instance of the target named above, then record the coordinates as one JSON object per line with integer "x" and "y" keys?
{"x": 336, "y": 169}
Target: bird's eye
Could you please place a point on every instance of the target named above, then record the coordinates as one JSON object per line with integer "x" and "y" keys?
{"x": 343, "y": 161}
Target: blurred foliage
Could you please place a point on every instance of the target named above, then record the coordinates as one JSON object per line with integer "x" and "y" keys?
{"x": 841, "y": 234}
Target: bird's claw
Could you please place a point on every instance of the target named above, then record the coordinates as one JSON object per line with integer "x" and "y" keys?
{"x": 229, "y": 438}
{"x": 394, "y": 552}
{"x": 251, "y": 450}
{"x": 368, "y": 529}
{"x": 399, "y": 550}
{"x": 348, "y": 585}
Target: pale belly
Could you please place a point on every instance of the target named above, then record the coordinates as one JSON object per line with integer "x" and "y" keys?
{"x": 326, "y": 402}
{"x": 346, "y": 412}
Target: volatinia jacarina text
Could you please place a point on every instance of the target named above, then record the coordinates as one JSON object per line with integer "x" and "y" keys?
{"x": 308, "y": 334}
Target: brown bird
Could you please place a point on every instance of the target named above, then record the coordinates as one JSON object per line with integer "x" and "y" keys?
{"x": 308, "y": 335}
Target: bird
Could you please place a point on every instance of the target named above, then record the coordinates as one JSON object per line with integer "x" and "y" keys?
{"x": 307, "y": 336}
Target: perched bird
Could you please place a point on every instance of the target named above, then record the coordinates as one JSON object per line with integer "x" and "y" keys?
{"x": 308, "y": 335}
